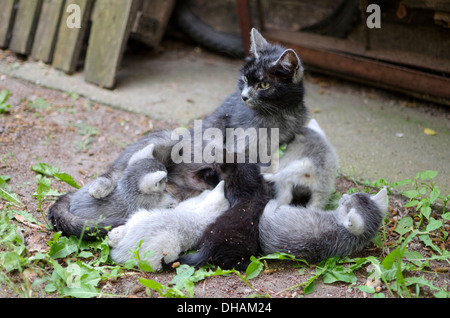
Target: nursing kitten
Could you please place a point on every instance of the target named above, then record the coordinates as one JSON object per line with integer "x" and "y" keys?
{"x": 315, "y": 235}
{"x": 307, "y": 170}
{"x": 234, "y": 236}
{"x": 141, "y": 186}
{"x": 167, "y": 233}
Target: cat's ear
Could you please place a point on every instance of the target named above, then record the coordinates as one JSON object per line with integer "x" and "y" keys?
{"x": 258, "y": 43}
{"x": 144, "y": 153}
{"x": 290, "y": 62}
{"x": 381, "y": 199}
{"x": 220, "y": 187}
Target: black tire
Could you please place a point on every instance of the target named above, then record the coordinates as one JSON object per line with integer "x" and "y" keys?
{"x": 207, "y": 36}
{"x": 337, "y": 24}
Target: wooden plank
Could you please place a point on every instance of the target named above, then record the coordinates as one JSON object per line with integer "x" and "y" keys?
{"x": 27, "y": 18}
{"x": 46, "y": 34}
{"x": 7, "y": 14}
{"x": 151, "y": 21}
{"x": 70, "y": 40}
{"x": 110, "y": 31}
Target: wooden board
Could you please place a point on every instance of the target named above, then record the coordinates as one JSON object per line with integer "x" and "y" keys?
{"x": 152, "y": 20}
{"x": 7, "y": 14}
{"x": 46, "y": 34}
{"x": 69, "y": 44}
{"x": 111, "y": 26}
{"x": 25, "y": 24}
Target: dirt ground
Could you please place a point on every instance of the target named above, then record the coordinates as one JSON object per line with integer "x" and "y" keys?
{"x": 81, "y": 138}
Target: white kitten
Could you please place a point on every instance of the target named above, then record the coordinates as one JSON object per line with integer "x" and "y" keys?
{"x": 167, "y": 233}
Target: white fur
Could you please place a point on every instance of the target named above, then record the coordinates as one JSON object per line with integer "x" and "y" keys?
{"x": 297, "y": 172}
{"x": 167, "y": 232}
{"x": 153, "y": 182}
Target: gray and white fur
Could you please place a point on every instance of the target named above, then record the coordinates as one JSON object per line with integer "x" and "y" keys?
{"x": 314, "y": 235}
{"x": 141, "y": 186}
{"x": 307, "y": 170}
{"x": 167, "y": 233}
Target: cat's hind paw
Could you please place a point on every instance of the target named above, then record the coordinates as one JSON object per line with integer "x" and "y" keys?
{"x": 101, "y": 187}
{"x": 115, "y": 235}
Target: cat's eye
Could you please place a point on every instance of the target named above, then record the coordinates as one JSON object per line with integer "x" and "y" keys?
{"x": 264, "y": 85}
{"x": 245, "y": 79}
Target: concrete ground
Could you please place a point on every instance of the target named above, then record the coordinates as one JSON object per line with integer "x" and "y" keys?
{"x": 377, "y": 134}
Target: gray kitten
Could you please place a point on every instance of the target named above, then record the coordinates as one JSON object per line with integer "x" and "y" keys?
{"x": 307, "y": 170}
{"x": 141, "y": 186}
{"x": 167, "y": 233}
{"x": 315, "y": 235}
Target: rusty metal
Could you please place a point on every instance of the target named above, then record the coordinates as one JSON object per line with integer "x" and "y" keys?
{"x": 245, "y": 21}
{"x": 367, "y": 70}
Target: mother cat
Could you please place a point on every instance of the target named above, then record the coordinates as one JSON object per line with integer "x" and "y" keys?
{"x": 269, "y": 95}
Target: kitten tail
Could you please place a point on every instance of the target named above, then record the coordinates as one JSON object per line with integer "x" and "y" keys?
{"x": 70, "y": 224}
{"x": 197, "y": 259}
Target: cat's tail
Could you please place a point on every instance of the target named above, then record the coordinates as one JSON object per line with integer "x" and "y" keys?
{"x": 69, "y": 224}
{"x": 197, "y": 259}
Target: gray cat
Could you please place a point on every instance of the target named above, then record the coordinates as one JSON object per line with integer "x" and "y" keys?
{"x": 141, "y": 186}
{"x": 166, "y": 234}
{"x": 315, "y": 235}
{"x": 307, "y": 170}
{"x": 269, "y": 94}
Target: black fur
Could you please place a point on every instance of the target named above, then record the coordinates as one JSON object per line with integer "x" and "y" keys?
{"x": 234, "y": 236}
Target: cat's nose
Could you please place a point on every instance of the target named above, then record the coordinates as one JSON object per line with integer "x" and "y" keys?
{"x": 244, "y": 98}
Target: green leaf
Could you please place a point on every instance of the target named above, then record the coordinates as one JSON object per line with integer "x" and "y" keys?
{"x": 404, "y": 225}
{"x": 6, "y": 194}
{"x": 434, "y": 194}
{"x": 67, "y": 179}
{"x": 366, "y": 289}
{"x": 339, "y": 276}
{"x": 84, "y": 291}
{"x": 255, "y": 267}
{"x": 412, "y": 194}
{"x": 64, "y": 247}
{"x": 145, "y": 266}
{"x": 429, "y": 174}
{"x": 4, "y": 95}
{"x": 51, "y": 171}
{"x": 433, "y": 225}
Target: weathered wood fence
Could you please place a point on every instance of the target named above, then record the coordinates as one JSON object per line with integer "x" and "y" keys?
{"x": 54, "y": 31}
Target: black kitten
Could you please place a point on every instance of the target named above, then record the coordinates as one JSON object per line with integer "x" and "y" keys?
{"x": 234, "y": 236}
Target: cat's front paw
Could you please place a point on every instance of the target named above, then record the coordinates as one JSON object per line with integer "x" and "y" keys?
{"x": 101, "y": 187}
{"x": 115, "y": 235}
{"x": 171, "y": 202}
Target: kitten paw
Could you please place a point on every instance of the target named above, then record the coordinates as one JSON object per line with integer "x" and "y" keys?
{"x": 115, "y": 235}
{"x": 101, "y": 188}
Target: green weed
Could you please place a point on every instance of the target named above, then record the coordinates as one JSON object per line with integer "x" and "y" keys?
{"x": 75, "y": 268}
